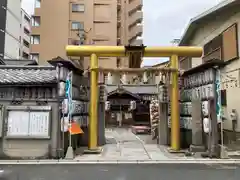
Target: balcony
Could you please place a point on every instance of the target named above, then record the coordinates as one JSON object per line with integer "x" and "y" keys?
{"x": 135, "y": 31}
{"x": 25, "y": 49}
{"x": 136, "y": 42}
{"x": 135, "y": 5}
{"x": 135, "y": 18}
{"x": 118, "y": 4}
{"x": 26, "y": 37}
{"x": 119, "y": 21}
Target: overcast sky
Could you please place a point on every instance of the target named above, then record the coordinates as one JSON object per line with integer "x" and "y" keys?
{"x": 164, "y": 20}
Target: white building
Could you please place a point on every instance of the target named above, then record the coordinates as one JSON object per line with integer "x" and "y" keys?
{"x": 25, "y": 35}
{"x": 217, "y": 31}
{"x": 10, "y": 21}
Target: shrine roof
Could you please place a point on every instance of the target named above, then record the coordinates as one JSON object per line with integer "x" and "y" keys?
{"x": 27, "y": 75}
{"x": 134, "y": 89}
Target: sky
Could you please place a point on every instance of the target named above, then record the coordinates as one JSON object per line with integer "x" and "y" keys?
{"x": 163, "y": 21}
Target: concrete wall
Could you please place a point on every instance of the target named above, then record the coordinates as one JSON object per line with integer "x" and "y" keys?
{"x": 12, "y": 31}
{"x": 16, "y": 148}
{"x": 202, "y": 36}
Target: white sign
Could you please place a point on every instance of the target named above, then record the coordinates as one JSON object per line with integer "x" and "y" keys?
{"x": 22, "y": 123}
{"x": 39, "y": 124}
{"x": 18, "y": 123}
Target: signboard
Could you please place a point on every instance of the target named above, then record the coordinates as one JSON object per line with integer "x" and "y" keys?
{"x": 23, "y": 123}
{"x": 18, "y": 123}
{"x": 39, "y": 124}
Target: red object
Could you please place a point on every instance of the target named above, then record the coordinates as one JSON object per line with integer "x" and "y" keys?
{"x": 140, "y": 129}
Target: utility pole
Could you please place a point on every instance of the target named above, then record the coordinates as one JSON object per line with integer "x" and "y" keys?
{"x": 83, "y": 39}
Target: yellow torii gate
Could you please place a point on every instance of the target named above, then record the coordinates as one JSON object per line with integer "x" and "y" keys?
{"x": 121, "y": 51}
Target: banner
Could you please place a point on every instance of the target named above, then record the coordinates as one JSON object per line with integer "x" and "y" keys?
{"x": 218, "y": 93}
{"x": 75, "y": 129}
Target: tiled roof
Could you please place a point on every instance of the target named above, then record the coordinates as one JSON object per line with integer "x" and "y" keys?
{"x": 27, "y": 75}
{"x": 19, "y": 62}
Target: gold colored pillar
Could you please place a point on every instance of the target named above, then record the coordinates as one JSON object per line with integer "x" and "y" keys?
{"x": 93, "y": 130}
{"x": 175, "y": 116}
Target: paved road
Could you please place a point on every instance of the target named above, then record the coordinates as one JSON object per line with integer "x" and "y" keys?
{"x": 123, "y": 172}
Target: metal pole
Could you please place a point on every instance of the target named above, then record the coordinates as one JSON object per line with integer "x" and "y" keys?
{"x": 70, "y": 153}
{"x": 219, "y": 105}
{"x": 175, "y": 119}
{"x": 93, "y": 103}
{"x": 70, "y": 110}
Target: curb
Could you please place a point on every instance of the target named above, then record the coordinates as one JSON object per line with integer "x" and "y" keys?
{"x": 172, "y": 161}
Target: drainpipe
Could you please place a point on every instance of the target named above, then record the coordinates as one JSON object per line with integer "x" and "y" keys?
{"x": 59, "y": 148}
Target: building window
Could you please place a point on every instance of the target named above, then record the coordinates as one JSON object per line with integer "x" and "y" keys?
{"x": 35, "y": 56}
{"x": 77, "y": 26}
{"x": 230, "y": 43}
{"x": 25, "y": 55}
{"x": 36, "y": 21}
{"x": 26, "y": 31}
{"x": 26, "y": 18}
{"x": 224, "y": 97}
{"x": 37, "y": 3}
{"x": 25, "y": 43}
{"x": 223, "y": 47}
{"x": 186, "y": 63}
{"x": 35, "y": 39}
{"x": 78, "y": 7}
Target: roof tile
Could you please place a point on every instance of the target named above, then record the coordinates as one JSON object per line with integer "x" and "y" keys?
{"x": 27, "y": 75}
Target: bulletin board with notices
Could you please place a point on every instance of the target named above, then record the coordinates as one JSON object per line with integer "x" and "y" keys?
{"x": 28, "y": 123}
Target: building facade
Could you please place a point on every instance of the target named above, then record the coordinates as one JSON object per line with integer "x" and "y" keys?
{"x": 217, "y": 31}
{"x": 25, "y": 35}
{"x": 101, "y": 22}
{"x": 10, "y": 20}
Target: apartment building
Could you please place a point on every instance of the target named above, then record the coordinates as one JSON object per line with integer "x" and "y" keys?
{"x": 25, "y": 35}
{"x": 10, "y": 20}
{"x": 76, "y": 22}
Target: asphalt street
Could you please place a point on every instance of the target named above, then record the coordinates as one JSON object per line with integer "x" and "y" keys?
{"x": 122, "y": 172}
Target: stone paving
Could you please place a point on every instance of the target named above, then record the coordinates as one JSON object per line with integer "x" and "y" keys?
{"x": 122, "y": 144}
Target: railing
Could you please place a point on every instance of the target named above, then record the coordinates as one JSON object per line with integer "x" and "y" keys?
{"x": 135, "y": 31}
{"x": 135, "y": 18}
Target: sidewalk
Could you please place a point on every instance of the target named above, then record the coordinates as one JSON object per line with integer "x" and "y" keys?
{"x": 123, "y": 145}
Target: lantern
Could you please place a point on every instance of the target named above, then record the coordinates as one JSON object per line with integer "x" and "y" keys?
{"x": 107, "y": 106}
{"x": 133, "y": 105}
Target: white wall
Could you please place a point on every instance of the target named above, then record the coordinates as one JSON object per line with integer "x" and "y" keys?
{"x": 205, "y": 34}
{"x": 13, "y": 21}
